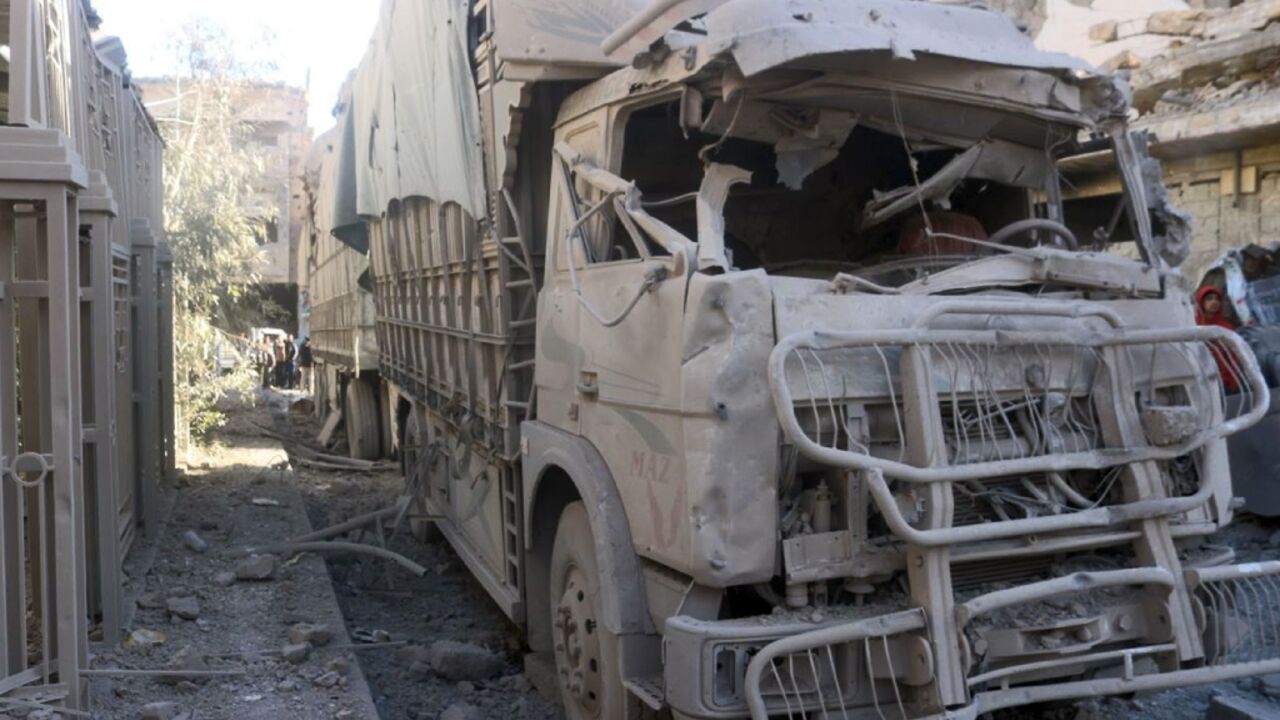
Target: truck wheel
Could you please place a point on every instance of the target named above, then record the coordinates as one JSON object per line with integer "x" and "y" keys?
{"x": 364, "y": 440}
{"x": 585, "y": 651}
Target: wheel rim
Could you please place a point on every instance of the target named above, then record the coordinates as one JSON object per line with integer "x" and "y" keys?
{"x": 577, "y": 643}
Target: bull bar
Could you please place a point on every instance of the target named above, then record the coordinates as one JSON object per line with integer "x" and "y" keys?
{"x": 1209, "y": 583}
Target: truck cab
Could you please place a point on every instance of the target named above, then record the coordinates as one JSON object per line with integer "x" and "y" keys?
{"x": 881, "y": 423}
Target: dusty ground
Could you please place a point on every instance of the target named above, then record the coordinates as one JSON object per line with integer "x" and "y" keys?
{"x": 242, "y": 627}
{"x": 446, "y": 604}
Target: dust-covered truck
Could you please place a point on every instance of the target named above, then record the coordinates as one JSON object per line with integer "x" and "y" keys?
{"x": 341, "y": 323}
{"x": 748, "y": 355}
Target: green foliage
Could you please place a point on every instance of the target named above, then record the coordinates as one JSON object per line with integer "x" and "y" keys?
{"x": 210, "y": 176}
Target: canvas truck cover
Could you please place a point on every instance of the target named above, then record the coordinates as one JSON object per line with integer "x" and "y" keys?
{"x": 415, "y": 104}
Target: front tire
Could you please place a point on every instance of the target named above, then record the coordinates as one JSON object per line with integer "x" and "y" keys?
{"x": 585, "y": 651}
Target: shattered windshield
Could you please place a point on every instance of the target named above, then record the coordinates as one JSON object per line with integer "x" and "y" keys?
{"x": 823, "y": 177}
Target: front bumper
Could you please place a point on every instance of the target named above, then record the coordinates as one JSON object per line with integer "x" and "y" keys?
{"x": 767, "y": 666}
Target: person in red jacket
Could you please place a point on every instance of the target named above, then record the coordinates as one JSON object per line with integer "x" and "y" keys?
{"x": 1210, "y": 310}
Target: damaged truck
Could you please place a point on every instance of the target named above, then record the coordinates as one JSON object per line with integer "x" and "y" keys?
{"x": 744, "y": 353}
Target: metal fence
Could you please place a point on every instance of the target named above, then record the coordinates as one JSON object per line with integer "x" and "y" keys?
{"x": 79, "y": 189}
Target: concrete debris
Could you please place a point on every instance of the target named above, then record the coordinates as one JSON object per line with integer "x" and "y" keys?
{"x": 316, "y": 635}
{"x": 142, "y": 638}
{"x": 225, "y": 578}
{"x": 420, "y": 671}
{"x": 1269, "y": 685}
{"x": 1231, "y": 707}
{"x": 256, "y": 567}
{"x": 1178, "y": 22}
{"x": 194, "y": 542}
{"x": 186, "y": 607}
{"x": 1125, "y": 60}
{"x": 1103, "y": 32}
{"x": 327, "y": 679}
{"x": 407, "y": 655}
{"x": 463, "y": 661}
{"x": 517, "y": 683}
{"x": 296, "y": 653}
{"x": 461, "y": 711}
{"x": 186, "y": 659}
{"x": 166, "y": 710}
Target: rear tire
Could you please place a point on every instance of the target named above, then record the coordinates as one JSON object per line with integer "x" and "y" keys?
{"x": 586, "y": 652}
{"x": 364, "y": 440}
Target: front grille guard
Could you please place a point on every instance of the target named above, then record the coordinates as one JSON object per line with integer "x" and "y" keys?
{"x": 1238, "y": 615}
{"x": 1096, "y": 358}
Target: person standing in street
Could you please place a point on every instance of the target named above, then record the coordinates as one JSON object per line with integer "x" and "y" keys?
{"x": 306, "y": 362}
{"x": 266, "y": 361}
{"x": 290, "y": 352}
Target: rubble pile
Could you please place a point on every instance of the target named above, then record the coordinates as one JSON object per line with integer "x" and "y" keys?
{"x": 1198, "y": 59}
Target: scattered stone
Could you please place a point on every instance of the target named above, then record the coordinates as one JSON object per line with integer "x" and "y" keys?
{"x": 327, "y": 680}
{"x": 187, "y": 608}
{"x": 166, "y": 710}
{"x": 288, "y": 685}
{"x": 465, "y": 687}
{"x": 1177, "y": 22}
{"x": 1104, "y": 32}
{"x": 1269, "y": 685}
{"x": 420, "y": 671}
{"x": 338, "y": 665}
{"x": 1123, "y": 60}
{"x": 204, "y": 625}
{"x": 256, "y": 567}
{"x": 225, "y": 578}
{"x": 185, "y": 659}
{"x": 461, "y": 711}
{"x": 296, "y": 653}
{"x": 318, "y": 635}
{"x": 1232, "y": 707}
{"x": 142, "y": 637}
{"x": 462, "y": 661}
{"x": 194, "y": 542}
{"x": 149, "y": 601}
{"x": 517, "y": 683}
{"x": 407, "y": 655}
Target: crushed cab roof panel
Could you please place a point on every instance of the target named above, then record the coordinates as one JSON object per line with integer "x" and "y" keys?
{"x": 763, "y": 34}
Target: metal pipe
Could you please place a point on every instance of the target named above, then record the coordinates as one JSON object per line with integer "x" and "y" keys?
{"x": 880, "y": 626}
{"x": 335, "y": 546}
{"x": 1098, "y": 459}
{"x": 1073, "y": 583}
{"x": 352, "y": 524}
{"x": 1232, "y": 572}
{"x": 997, "y": 700}
{"x": 637, "y": 23}
{"x": 1097, "y": 517}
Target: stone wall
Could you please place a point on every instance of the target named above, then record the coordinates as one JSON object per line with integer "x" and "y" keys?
{"x": 1222, "y": 222}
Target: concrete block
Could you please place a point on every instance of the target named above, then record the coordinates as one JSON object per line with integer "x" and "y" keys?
{"x": 1231, "y": 707}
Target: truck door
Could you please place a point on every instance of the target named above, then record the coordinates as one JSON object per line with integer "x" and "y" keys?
{"x": 626, "y": 292}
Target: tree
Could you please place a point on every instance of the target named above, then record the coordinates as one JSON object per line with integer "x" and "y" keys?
{"x": 210, "y": 175}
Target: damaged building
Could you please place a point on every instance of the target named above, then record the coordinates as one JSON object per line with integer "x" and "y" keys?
{"x": 1205, "y": 78}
